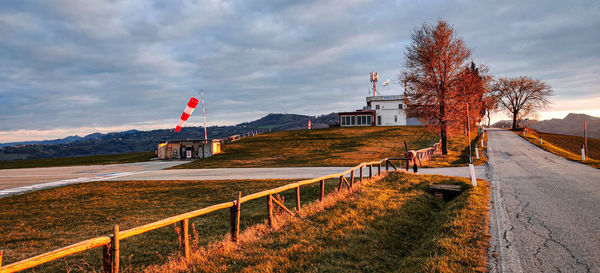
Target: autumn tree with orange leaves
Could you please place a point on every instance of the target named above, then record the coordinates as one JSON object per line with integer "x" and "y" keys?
{"x": 439, "y": 84}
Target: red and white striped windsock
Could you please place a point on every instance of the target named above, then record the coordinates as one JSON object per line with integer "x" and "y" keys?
{"x": 187, "y": 113}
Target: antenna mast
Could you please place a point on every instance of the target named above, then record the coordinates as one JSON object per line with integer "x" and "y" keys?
{"x": 203, "y": 114}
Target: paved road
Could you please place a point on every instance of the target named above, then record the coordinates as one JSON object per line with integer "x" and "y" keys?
{"x": 14, "y": 181}
{"x": 480, "y": 171}
{"x": 239, "y": 173}
{"x": 20, "y": 180}
{"x": 545, "y": 214}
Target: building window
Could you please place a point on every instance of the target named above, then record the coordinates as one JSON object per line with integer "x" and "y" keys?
{"x": 395, "y": 118}
{"x": 376, "y": 106}
{"x": 353, "y": 120}
{"x": 400, "y": 106}
{"x": 369, "y": 120}
{"x": 378, "y": 120}
{"x": 343, "y": 120}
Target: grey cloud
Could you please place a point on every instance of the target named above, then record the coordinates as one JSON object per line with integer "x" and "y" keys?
{"x": 66, "y": 64}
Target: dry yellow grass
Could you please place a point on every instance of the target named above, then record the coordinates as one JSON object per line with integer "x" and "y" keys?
{"x": 566, "y": 146}
{"x": 389, "y": 225}
{"x": 347, "y": 146}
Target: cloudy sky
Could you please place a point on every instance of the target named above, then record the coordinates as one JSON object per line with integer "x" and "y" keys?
{"x": 76, "y": 67}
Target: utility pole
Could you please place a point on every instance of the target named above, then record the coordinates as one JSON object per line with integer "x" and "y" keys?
{"x": 471, "y": 167}
{"x": 585, "y": 137}
{"x": 203, "y": 114}
{"x": 469, "y": 135}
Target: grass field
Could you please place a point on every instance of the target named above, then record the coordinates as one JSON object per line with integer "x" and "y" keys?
{"x": 347, "y": 146}
{"x": 37, "y": 222}
{"x": 79, "y": 160}
{"x": 391, "y": 225}
{"x": 567, "y": 146}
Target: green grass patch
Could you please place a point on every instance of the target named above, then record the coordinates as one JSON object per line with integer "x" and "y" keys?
{"x": 392, "y": 225}
{"x": 37, "y": 222}
{"x": 344, "y": 146}
{"x": 566, "y": 146}
{"x": 78, "y": 160}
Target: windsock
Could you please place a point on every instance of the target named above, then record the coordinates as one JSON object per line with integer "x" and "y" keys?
{"x": 186, "y": 113}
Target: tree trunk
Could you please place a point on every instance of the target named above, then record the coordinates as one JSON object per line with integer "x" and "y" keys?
{"x": 444, "y": 138}
{"x": 514, "y": 125}
{"x": 443, "y": 125}
{"x": 488, "y": 116}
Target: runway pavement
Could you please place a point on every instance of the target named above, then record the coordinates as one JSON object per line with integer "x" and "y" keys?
{"x": 13, "y": 181}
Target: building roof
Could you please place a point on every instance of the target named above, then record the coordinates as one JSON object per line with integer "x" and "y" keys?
{"x": 357, "y": 112}
{"x": 385, "y": 98}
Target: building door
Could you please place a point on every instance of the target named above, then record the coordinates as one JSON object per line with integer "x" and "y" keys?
{"x": 378, "y": 120}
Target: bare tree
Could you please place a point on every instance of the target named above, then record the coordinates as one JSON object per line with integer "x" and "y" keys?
{"x": 522, "y": 95}
{"x": 490, "y": 103}
{"x": 438, "y": 82}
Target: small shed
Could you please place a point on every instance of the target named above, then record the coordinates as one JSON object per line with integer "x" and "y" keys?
{"x": 188, "y": 149}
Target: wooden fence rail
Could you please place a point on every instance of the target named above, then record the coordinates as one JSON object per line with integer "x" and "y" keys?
{"x": 111, "y": 243}
{"x": 422, "y": 155}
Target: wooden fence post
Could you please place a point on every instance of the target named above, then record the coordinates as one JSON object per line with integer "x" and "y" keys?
{"x": 370, "y": 171}
{"x": 341, "y": 182}
{"x": 235, "y": 218}
{"x": 430, "y": 154}
{"x": 379, "y": 169}
{"x": 270, "y": 208}
{"x": 298, "y": 198}
{"x": 1, "y": 258}
{"x": 115, "y": 249}
{"x": 322, "y": 190}
{"x": 106, "y": 258}
{"x": 387, "y": 165}
{"x": 185, "y": 237}
{"x": 361, "y": 173}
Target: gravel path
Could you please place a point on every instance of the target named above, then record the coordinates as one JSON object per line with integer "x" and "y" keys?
{"x": 545, "y": 212}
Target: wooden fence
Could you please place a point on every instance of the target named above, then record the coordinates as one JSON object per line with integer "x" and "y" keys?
{"x": 110, "y": 243}
{"x": 422, "y": 155}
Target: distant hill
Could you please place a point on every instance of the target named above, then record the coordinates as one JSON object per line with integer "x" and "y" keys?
{"x": 140, "y": 141}
{"x": 65, "y": 140}
{"x": 572, "y": 125}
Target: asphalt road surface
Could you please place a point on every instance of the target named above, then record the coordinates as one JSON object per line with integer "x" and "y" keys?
{"x": 480, "y": 171}
{"x": 545, "y": 214}
{"x": 239, "y": 173}
{"x": 14, "y": 181}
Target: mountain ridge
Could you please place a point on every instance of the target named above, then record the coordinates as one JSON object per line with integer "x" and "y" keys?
{"x": 139, "y": 141}
{"x": 571, "y": 124}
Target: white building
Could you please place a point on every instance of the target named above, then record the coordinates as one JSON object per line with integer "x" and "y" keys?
{"x": 389, "y": 110}
{"x": 380, "y": 111}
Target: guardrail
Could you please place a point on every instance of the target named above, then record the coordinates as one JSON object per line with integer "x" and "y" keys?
{"x": 110, "y": 243}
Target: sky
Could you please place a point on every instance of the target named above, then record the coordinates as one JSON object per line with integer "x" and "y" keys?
{"x": 78, "y": 67}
